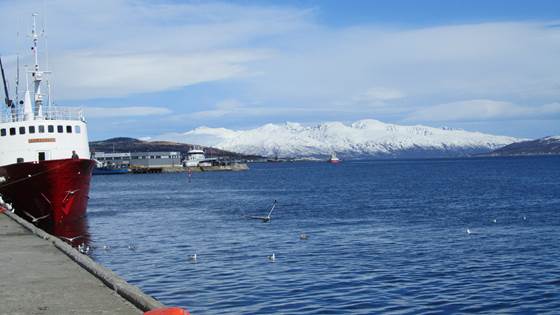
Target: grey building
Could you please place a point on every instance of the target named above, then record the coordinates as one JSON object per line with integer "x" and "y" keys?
{"x": 155, "y": 159}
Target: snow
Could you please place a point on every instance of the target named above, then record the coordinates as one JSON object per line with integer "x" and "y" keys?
{"x": 361, "y": 138}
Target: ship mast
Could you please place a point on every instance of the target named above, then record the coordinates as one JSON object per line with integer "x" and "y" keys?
{"x": 36, "y": 73}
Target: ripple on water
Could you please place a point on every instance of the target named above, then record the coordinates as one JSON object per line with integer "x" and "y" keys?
{"x": 384, "y": 237}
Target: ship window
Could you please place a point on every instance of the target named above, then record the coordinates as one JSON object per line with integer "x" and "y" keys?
{"x": 68, "y": 129}
{"x": 12, "y": 131}
{"x": 21, "y": 130}
{"x": 3, "y": 132}
{"x": 31, "y": 129}
{"x": 60, "y": 129}
{"x": 41, "y": 129}
{"x": 41, "y": 156}
{"x": 77, "y": 129}
{"x": 51, "y": 128}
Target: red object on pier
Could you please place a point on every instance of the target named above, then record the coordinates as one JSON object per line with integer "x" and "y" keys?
{"x": 168, "y": 311}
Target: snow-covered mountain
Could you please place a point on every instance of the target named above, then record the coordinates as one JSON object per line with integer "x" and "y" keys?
{"x": 364, "y": 138}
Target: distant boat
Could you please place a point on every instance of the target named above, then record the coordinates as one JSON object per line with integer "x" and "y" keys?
{"x": 333, "y": 159}
{"x": 196, "y": 157}
{"x": 108, "y": 170}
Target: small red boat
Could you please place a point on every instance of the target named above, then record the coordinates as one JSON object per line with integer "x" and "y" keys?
{"x": 334, "y": 159}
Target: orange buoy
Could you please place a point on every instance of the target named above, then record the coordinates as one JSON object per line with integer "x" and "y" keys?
{"x": 168, "y": 311}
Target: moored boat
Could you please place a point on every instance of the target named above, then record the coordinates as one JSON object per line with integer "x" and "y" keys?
{"x": 108, "y": 170}
{"x": 45, "y": 162}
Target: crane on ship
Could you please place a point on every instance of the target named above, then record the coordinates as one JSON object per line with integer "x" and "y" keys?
{"x": 9, "y": 102}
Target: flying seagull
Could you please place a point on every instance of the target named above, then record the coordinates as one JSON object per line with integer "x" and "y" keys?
{"x": 34, "y": 219}
{"x": 70, "y": 239}
{"x": 268, "y": 217}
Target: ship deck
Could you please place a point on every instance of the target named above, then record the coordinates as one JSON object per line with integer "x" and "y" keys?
{"x": 37, "y": 277}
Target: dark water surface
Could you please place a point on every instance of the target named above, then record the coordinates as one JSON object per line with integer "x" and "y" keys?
{"x": 384, "y": 237}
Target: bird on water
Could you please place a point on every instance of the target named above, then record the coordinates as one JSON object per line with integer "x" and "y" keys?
{"x": 272, "y": 257}
{"x": 193, "y": 258}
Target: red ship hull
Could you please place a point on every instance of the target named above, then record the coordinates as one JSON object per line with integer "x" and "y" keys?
{"x": 56, "y": 190}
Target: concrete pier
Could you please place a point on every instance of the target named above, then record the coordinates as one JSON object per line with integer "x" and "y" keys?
{"x": 39, "y": 275}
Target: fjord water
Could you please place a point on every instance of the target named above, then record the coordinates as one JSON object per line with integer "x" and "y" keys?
{"x": 383, "y": 237}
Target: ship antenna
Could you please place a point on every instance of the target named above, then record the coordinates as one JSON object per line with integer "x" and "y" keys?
{"x": 44, "y": 34}
{"x": 36, "y": 73}
{"x": 17, "y": 80}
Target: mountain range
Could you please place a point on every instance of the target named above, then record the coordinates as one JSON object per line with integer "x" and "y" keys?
{"x": 543, "y": 146}
{"x": 361, "y": 139}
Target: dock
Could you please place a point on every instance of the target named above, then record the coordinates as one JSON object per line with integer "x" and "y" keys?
{"x": 41, "y": 274}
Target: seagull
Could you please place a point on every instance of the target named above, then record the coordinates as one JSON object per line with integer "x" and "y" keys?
{"x": 303, "y": 236}
{"x": 524, "y": 218}
{"x": 495, "y": 221}
{"x": 132, "y": 247}
{"x": 192, "y": 258}
{"x": 70, "y": 239}
{"x": 34, "y": 219}
{"x": 83, "y": 248}
{"x": 468, "y": 231}
{"x": 106, "y": 247}
{"x": 268, "y": 217}
{"x": 69, "y": 193}
{"x": 272, "y": 257}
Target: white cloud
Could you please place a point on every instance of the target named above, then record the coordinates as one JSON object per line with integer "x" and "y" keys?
{"x": 111, "y": 75}
{"x": 281, "y": 60}
{"x": 113, "y": 48}
{"x": 381, "y": 94}
{"x": 480, "y": 110}
{"x": 131, "y": 111}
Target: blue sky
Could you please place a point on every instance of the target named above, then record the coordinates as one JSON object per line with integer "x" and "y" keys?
{"x": 145, "y": 68}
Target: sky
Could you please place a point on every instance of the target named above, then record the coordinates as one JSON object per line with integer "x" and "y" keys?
{"x": 149, "y": 68}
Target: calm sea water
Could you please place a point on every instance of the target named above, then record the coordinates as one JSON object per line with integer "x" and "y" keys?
{"x": 384, "y": 237}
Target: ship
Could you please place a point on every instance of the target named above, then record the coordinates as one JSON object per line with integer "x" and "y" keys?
{"x": 333, "y": 159}
{"x": 45, "y": 163}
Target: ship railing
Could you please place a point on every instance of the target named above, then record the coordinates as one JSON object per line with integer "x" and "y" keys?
{"x": 63, "y": 113}
{"x": 48, "y": 113}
